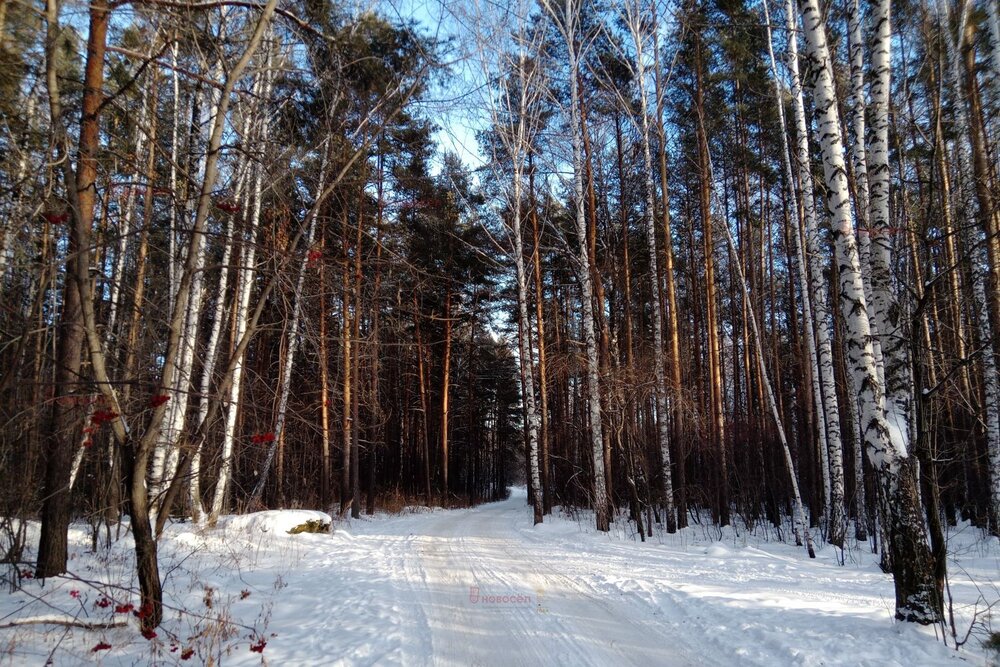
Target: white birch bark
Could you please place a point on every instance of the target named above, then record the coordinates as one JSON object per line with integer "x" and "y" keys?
{"x": 833, "y": 474}
{"x": 524, "y": 349}
{"x": 859, "y": 161}
{"x": 567, "y": 21}
{"x": 514, "y": 114}
{"x": 174, "y": 266}
{"x": 244, "y": 289}
{"x": 917, "y": 598}
{"x": 792, "y": 178}
{"x": 150, "y": 437}
{"x": 572, "y": 16}
{"x": 859, "y": 156}
{"x": 125, "y": 224}
{"x": 165, "y": 456}
{"x": 884, "y": 306}
{"x": 519, "y": 145}
{"x": 212, "y": 352}
{"x": 860, "y": 502}
{"x": 974, "y": 242}
{"x": 835, "y": 173}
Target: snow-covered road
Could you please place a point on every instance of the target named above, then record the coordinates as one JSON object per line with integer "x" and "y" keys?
{"x": 483, "y": 586}
{"x": 480, "y": 593}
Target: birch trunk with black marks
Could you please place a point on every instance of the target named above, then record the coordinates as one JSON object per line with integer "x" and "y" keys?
{"x": 917, "y": 596}
{"x": 212, "y": 351}
{"x": 165, "y": 457}
{"x": 859, "y": 160}
{"x": 517, "y": 146}
{"x": 885, "y": 309}
{"x": 805, "y": 209}
{"x": 833, "y": 473}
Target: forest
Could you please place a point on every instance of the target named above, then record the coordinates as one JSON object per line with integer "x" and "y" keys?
{"x": 711, "y": 262}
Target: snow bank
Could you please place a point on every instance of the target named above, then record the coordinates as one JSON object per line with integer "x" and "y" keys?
{"x": 274, "y": 521}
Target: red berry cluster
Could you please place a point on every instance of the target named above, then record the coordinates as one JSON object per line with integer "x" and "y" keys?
{"x": 54, "y": 218}
{"x": 158, "y": 400}
{"x": 102, "y": 417}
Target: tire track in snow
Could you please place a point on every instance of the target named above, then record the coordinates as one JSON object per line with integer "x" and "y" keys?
{"x": 568, "y": 623}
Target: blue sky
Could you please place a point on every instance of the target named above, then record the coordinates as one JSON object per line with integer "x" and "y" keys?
{"x": 452, "y": 104}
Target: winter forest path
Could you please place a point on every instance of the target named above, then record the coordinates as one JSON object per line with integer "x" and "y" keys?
{"x": 481, "y": 589}
{"x": 483, "y": 586}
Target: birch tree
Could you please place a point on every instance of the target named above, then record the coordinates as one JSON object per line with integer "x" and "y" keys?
{"x": 567, "y": 19}
{"x": 637, "y": 20}
{"x": 285, "y": 378}
{"x": 886, "y": 311}
{"x": 822, "y": 350}
{"x": 917, "y": 597}
{"x": 514, "y": 111}
{"x": 244, "y": 289}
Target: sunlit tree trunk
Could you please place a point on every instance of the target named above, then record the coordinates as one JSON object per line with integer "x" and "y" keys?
{"x": 884, "y": 305}
{"x": 524, "y": 350}
{"x": 917, "y": 598}
{"x": 81, "y": 193}
{"x": 833, "y": 473}
{"x": 241, "y": 304}
{"x": 716, "y": 398}
{"x": 165, "y": 454}
{"x": 347, "y": 382}
{"x": 424, "y": 402}
{"x": 212, "y": 350}
{"x": 802, "y": 207}
{"x": 669, "y": 280}
{"x": 543, "y": 389}
{"x": 445, "y": 395}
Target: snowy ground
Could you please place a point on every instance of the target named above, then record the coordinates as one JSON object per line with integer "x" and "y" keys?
{"x": 483, "y": 586}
